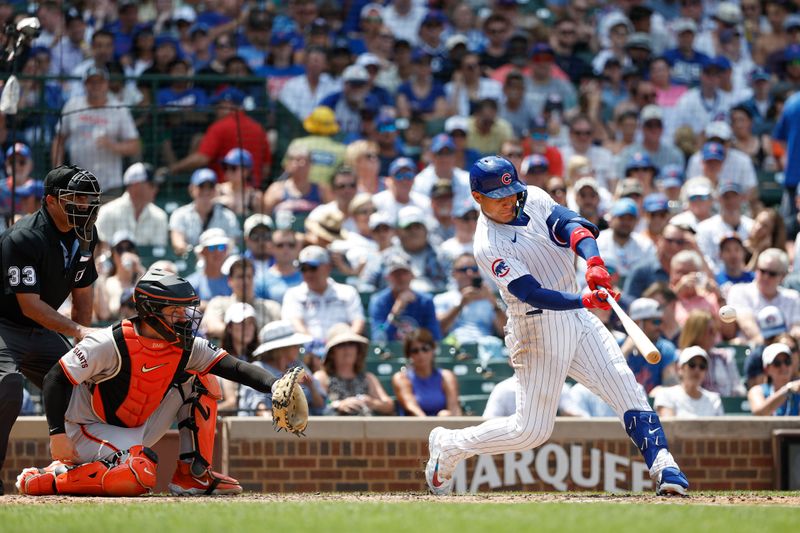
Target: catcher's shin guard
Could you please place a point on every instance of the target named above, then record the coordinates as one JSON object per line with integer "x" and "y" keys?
{"x": 201, "y": 421}
{"x": 127, "y": 473}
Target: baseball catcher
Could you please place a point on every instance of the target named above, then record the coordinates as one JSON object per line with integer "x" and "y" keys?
{"x": 120, "y": 389}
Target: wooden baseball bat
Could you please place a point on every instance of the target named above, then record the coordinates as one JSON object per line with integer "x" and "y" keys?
{"x": 640, "y": 340}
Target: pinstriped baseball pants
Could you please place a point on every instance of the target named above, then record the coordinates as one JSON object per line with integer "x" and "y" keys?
{"x": 544, "y": 350}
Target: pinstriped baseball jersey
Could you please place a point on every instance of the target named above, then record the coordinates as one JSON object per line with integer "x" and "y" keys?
{"x": 505, "y": 252}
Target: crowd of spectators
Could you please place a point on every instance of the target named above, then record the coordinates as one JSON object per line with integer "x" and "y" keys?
{"x": 669, "y": 125}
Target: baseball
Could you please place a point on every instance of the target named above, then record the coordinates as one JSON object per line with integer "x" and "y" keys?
{"x": 727, "y": 314}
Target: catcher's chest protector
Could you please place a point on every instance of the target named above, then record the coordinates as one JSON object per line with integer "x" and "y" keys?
{"x": 147, "y": 369}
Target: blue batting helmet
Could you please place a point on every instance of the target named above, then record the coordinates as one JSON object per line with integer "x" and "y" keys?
{"x": 495, "y": 177}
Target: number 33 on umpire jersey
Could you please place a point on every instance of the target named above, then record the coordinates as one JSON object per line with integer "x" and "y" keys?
{"x": 37, "y": 258}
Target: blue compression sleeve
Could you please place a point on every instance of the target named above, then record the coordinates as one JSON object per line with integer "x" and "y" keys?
{"x": 530, "y": 291}
{"x": 587, "y": 247}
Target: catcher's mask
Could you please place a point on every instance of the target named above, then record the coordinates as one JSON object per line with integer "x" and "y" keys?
{"x": 158, "y": 290}
{"x": 78, "y": 193}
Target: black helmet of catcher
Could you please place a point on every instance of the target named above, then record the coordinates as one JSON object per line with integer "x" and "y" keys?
{"x": 80, "y": 192}
{"x": 159, "y": 289}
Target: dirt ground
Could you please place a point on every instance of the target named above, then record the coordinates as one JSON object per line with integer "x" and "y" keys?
{"x": 699, "y": 498}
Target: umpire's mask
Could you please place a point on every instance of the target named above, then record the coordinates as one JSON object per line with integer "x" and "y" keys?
{"x": 80, "y": 192}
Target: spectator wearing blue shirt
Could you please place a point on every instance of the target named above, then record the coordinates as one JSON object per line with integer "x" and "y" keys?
{"x": 787, "y": 131}
{"x": 685, "y": 62}
{"x": 469, "y": 312}
{"x": 647, "y": 313}
{"x": 373, "y": 65}
{"x": 348, "y": 102}
{"x": 732, "y": 255}
{"x": 125, "y": 27}
{"x": 421, "y": 94}
{"x": 284, "y": 272}
{"x": 213, "y": 250}
{"x": 646, "y": 272}
{"x": 396, "y": 311}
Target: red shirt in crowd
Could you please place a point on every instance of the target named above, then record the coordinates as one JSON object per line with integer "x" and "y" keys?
{"x": 233, "y": 131}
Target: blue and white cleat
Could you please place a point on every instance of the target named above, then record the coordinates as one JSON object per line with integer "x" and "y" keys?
{"x": 440, "y": 482}
{"x": 672, "y": 482}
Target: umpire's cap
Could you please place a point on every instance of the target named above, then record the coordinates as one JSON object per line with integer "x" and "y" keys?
{"x": 495, "y": 177}
{"x": 60, "y": 178}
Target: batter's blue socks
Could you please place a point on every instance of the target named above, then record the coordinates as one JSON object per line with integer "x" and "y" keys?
{"x": 644, "y": 429}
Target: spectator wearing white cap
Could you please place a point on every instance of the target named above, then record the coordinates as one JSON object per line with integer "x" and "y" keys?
{"x": 319, "y": 302}
{"x": 278, "y": 351}
{"x": 430, "y": 270}
{"x": 398, "y": 309}
{"x": 399, "y": 191}
{"x": 240, "y": 339}
{"x": 284, "y": 272}
{"x": 238, "y": 272}
{"x": 348, "y": 102}
{"x": 135, "y": 211}
{"x": 257, "y": 231}
{"x": 465, "y": 220}
{"x": 697, "y": 196}
{"x": 653, "y": 142}
{"x": 457, "y": 127}
{"x": 647, "y": 313}
{"x": 208, "y": 280}
{"x": 125, "y": 269}
{"x": 737, "y": 167}
{"x": 749, "y": 298}
{"x": 404, "y": 17}
{"x": 188, "y": 221}
{"x": 780, "y": 396}
{"x": 689, "y": 399}
{"x": 729, "y": 220}
{"x": 701, "y": 329}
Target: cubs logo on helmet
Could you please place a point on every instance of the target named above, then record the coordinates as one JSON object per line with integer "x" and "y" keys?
{"x": 505, "y": 179}
{"x": 500, "y": 268}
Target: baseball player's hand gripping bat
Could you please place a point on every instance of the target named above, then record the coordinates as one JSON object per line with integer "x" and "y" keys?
{"x": 640, "y": 340}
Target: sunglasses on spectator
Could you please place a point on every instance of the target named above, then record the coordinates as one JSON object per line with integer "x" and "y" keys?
{"x": 702, "y": 365}
{"x": 655, "y": 321}
{"x": 405, "y": 176}
{"x": 464, "y": 270}
{"x": 217, "y": 247}
{"x": 308, "y": 268}
{"x": 512, "y": 154}
{"x": 419, "y": 349}
{"x": 558, "y": 190}
{"x": 699, "y": 197}
{"x": 653, "y": 124}
{"x": 677, "y": 242}
{"x": 782, "y": 361}
{"x": 582, "y": 133}
{"x": 364, "y": 211}
{"x": 285, "y": 244}
{"x": 770, "y": 273}
{"x": 341, "y": 186}
{"x": 207, "y": 186}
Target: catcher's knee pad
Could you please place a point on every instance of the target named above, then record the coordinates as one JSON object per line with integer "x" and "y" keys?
{"x": 128, "y": 473}
{"x": 644, "y": 429}
{"x": 202, "y": 421}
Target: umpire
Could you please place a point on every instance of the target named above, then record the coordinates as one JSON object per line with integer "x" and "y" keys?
{"x": 44, "y": 258}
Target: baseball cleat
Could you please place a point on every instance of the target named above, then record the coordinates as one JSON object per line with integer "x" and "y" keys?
{"x": 440, "y": 482}
{"x": 672, "y": 482}
{"x": 184, "y": 483}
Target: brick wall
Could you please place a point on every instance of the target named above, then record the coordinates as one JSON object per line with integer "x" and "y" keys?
{"x": 374, "y": 454}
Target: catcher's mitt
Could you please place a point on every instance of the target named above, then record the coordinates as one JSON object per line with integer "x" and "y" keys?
{"x": 289, "y": 406}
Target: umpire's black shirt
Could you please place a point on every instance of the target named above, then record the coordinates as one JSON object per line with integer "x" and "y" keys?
{"x": 38, "y": 258}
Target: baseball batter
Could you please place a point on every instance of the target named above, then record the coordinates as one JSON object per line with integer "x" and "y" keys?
{"x": 525, "y": 242}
